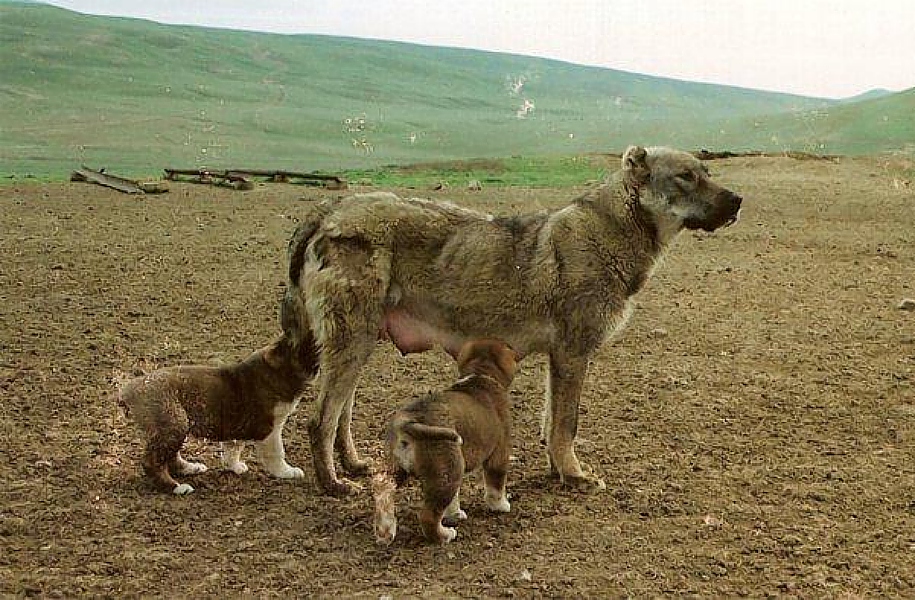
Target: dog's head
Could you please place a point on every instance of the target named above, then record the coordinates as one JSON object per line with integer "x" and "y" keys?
{"x": 675, "y": 186}
{"x": 488, "y": 357}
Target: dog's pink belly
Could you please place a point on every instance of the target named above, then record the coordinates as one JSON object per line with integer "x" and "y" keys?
{"x": 412, "y": 335}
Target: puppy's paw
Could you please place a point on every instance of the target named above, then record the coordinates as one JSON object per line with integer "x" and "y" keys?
{"x": 285, "y": 471}
{"x": 239, "y": 468}
{"x": 458, "y": 515}
{"x": 446, "y": 534}
{"x": 500, "y": 504}
{"x": 182, "y": 489}
{"x": 191, "y": 468}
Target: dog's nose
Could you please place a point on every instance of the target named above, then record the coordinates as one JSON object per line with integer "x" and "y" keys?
{"x": 735, "y": 200}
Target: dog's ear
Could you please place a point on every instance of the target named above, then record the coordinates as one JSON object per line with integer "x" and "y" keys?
{"x": 272, "y": 356}
{"x": 635, "y": 166}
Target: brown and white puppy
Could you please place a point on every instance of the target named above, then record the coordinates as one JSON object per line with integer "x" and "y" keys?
{"x": 439, "y": 437}
{"x": 248, "y": 400}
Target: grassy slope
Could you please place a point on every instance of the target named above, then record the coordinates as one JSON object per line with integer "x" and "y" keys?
{"x": 137, "y": 96}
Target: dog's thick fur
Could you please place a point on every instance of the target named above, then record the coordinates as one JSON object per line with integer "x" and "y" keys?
{"x": 440, "y": 436}
{"x": 248, "y": 400}
{"x": 421, "y": 273}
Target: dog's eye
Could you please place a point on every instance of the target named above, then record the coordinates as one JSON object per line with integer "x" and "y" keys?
{"x": 687, "y": 176}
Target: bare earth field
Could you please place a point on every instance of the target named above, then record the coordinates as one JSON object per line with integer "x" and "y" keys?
{"x": 755, "y": 424}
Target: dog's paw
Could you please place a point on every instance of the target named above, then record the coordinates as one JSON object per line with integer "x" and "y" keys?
{"x": 182, "y": 489}
{"x": 447, "y": 534}
{"x": 386, "y": 530}
{"x": 500, "y": 504}
{"x": 357, "y": 466}
{"x": 191, "y": 468}
{"x": 342, "y": 487}
{"x": 285, "y": 471}
{"x": 239, "y": 468}
{"x": 458, "y": 515}
{"x": 583, "y": 483}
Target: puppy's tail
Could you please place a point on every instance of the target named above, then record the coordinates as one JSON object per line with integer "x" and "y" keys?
{"x": 422, "y": 431}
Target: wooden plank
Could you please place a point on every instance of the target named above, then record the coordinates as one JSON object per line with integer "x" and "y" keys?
{"x": 113, "y": 181}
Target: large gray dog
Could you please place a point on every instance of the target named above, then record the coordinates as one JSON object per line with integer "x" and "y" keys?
{"x": 423, "y": 273}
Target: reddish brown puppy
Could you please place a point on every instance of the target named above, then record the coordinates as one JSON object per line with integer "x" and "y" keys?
{"x": 439, "y": 437}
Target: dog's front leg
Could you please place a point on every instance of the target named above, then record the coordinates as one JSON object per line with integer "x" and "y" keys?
{"x": 560, "y": 418}
{"x": 271, "y": 451}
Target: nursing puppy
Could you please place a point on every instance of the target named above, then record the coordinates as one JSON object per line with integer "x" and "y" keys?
{"x": 249, "y": 400}
{"x": 441, "y": 436}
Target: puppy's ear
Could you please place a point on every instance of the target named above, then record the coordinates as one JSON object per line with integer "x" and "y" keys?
{"x": 516, "y": 356}
{"x": 635, "y": 166}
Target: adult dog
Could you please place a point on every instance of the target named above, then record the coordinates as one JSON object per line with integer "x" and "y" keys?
{"x": 421, "y": 273}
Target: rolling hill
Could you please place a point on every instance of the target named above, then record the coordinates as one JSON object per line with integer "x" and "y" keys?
{"x": 138, "y": 96}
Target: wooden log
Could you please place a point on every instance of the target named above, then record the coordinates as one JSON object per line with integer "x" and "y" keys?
{"x": 113, "y": 181}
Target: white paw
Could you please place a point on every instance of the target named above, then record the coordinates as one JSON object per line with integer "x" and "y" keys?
{"x": 458, "y": 515}
{"x": 285, "y": 471}
{"x": 192, "y": 468}
{"x": 499, "y": 504}
{"x": 386, "y": 530}
{"x": 182, "y": 489}
{"x": 448, "y": 534}
{"x": 239, "y": 468}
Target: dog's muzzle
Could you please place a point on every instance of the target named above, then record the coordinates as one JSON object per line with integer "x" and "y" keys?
{"x": 735, "y": 201}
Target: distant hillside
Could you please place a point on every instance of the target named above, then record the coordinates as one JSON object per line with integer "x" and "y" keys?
{"x": 138, "y": 96}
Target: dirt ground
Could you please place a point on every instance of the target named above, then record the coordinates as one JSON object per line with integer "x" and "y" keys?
{"x": 755, "y": 424}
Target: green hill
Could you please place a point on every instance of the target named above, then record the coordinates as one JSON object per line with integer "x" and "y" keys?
{"x": 137, "y": 96}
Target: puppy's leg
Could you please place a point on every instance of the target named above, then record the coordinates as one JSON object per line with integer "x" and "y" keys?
{"x": 185, "y": 467}
{"x": 162, "y": 447}
{"x": 344, "y": 444}
{"x": 560, "y": 419}
{"x": 231, "y": 457}
{"x": 439, "y": 490}
{"x": 270, "y": 450}
{"x": 453, "y": 511}
{"x": 430, "y": 519}
{"x": 495, "y": 470}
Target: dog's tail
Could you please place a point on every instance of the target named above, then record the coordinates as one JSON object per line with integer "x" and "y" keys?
{"x": 430, "y": 432}
{"x": 293, "y": 312}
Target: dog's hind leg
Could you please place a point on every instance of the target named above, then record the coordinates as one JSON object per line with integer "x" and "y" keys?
{"x": 347, "y": 287}
{"x": 560, "y": 419}
{"x": 338, "y": 378}
{"x": 344, "y": 444}
{"x": 162, "y": 449}
{"x": 495, "y": 473}
{"x": 166, "y": 429}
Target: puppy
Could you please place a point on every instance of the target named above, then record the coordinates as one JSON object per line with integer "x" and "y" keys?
{"x": 249, "y": 400}
{"x": 441, "y": 436}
